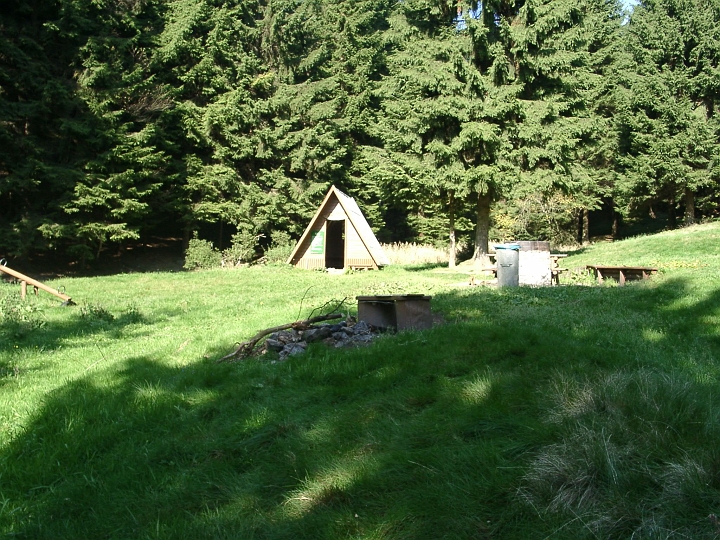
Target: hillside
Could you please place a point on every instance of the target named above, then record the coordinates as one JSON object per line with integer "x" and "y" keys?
{"x": 578, "y": 411}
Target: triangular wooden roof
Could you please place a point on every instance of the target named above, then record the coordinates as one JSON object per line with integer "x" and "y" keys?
{"x": 357, "y": 219}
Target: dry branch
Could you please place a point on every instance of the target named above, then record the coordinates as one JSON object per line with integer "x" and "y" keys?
{"x": 246, "y": 348}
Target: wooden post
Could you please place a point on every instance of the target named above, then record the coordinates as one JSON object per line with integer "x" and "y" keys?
{"x": 23, "y": 289}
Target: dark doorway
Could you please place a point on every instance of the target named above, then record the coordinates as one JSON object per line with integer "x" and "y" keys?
{"x": 335, "y": 244}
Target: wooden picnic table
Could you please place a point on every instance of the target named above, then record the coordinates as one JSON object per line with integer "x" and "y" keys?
{"x": 553, "y": 256}
{"x": 621, "y": 273}
{"x": 555, "y": 270}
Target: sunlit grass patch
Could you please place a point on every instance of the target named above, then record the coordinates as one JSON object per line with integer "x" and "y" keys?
{"x": 476, "y": 391}
{"x": 578, "y": 411}
{"x": 330, "y": 486}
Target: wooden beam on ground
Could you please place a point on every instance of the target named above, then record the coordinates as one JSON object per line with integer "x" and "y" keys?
{"x": 25, "y": 280}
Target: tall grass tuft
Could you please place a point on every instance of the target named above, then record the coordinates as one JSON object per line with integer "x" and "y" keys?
{"x": 412, "y": 253}
{"x": 637, "y": 446}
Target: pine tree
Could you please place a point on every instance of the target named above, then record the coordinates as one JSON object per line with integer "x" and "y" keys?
{"x": 42, "y": 123}
{"x": 436, "y": 146}
{"x": 274, "y": 104}
{"x": 326, "y": 110}
{"x": 499, "y": 105}
{"x": 118, "y": 166}
{"x": 543, "y": 60}
{"x": 209, "y": 60}
{"x": 668, "y": 122}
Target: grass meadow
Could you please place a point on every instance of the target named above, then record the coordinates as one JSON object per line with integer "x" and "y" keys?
{"x": 582, "y": 411}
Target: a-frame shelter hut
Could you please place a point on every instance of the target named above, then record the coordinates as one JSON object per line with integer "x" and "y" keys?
{"x": 338, "y": 236}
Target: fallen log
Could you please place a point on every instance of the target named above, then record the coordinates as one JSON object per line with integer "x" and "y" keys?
{"x": 246, "y": 348}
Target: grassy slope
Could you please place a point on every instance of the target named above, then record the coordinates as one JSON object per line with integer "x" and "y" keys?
{"x": 566, "y": 412}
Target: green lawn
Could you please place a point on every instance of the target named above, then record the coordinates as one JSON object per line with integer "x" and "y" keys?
{"x": 578, "y": 411}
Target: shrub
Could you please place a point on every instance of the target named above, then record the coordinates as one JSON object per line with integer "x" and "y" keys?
{"x": 96, "y": 312}
{"x": 242, "y": 250}
{"x": 537, "y": 216}
{"x": 280, "y": 248}
{"x": 201, "y": 254}
{"x": 18, "y": 317}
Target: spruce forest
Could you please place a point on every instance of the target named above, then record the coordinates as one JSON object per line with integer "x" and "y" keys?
{"x": 121, "y": 120}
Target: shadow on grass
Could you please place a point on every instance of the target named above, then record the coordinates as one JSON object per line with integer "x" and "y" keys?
{"x": 424, "y": 266}
{"x": 38, "y": 335}
{"x": 576, "y": 251}
{"x": 50, "y": 334}
{"x": 422, "y": 435}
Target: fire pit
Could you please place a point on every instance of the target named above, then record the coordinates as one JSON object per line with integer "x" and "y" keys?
{"x": 396, "y": 312}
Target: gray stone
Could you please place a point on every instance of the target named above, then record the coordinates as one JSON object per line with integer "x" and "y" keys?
{"x": 285, "y": 336}
{"x": 292, "y": 343}
{"x": 361, "y": 328}
{"x": 293, "y": 349}
{"x": 274, "y": 345}
{"x": 296, "y": 348}
{"x": 316, "y": 334}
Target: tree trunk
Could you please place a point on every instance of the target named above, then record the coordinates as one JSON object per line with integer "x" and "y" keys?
{"x": 672, "y": 216}
{"x": 186, "y": 237}
{"x": 585, "y": 226}
{"x": 616, "y": 222}
{"x": 689, "y": 206}
{"x": 482, "y": 230}
{"x": 453, "y": 244}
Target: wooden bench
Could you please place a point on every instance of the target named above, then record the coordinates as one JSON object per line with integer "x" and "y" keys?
{"x": 555, "y": 275}
{"x": 555, "y": 271}
{"x": 621, "y": 273}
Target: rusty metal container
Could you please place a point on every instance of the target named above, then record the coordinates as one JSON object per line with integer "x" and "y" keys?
{"x": 396, "y": 312}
